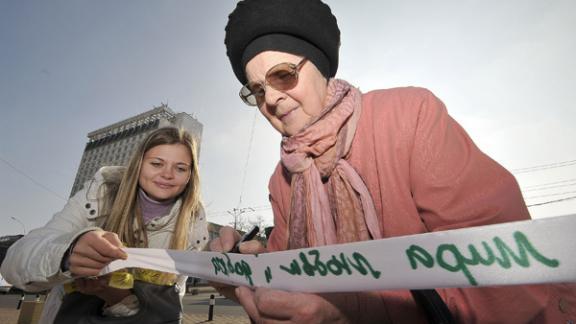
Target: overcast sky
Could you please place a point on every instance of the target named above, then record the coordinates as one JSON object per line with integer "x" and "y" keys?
{"x": 504, "y": 69}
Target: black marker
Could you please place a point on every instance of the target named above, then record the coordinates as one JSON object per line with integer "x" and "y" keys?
{"x": 246, "y": 237}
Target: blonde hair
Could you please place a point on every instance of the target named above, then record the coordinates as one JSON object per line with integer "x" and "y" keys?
{"x": 120, "y": 201}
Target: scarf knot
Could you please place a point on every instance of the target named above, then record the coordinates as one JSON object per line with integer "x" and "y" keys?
{"x": 329, "y": 201}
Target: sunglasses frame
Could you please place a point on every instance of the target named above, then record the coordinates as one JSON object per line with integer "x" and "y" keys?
{"x": 250, "y": 98}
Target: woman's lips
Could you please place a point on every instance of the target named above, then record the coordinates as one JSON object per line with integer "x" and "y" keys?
{"x": 163, "y": 185}
{"x": 286, "y": 114}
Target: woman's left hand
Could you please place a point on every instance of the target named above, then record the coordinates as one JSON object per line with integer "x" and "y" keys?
{"x": 265, "y": 305}
{"x": 99, "y": 287}
{"x": 225, "y": 241}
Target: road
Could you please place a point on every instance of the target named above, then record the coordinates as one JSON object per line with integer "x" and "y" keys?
{"x": 196, "y": 309}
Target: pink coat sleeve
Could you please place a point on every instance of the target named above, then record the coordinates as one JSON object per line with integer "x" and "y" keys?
{"x": 455, "y": 185}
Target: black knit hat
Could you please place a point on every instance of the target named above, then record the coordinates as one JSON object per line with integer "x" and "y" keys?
{"x": 300, "y": 27}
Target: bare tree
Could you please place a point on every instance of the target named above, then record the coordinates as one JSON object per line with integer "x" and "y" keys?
{"x": 244, "y": 224}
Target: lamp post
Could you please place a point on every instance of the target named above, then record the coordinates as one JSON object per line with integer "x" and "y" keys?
{"x": 17, "y": 220}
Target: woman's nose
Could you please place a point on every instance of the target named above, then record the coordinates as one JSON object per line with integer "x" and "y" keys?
{"x": 272, "y": 96}
{"x": 167, "y": 172}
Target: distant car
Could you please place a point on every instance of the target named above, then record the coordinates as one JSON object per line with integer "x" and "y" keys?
{"x": 4, "y": 285}
{"x": 5, "y": 243}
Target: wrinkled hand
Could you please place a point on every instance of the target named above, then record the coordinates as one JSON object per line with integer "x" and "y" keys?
{"x": 99, "y": 287}
{"x": 93, "y": 251}
{"x": 225, "y": 242}
{"x": 265, "y": 305}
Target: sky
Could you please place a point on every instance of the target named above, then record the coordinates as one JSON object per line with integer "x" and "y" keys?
{"x": 504, "y": 69}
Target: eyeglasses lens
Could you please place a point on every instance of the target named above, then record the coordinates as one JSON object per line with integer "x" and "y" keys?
{"x": 282, "y": 77}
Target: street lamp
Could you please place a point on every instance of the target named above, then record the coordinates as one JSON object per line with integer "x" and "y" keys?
{"x": 23, "y": 226}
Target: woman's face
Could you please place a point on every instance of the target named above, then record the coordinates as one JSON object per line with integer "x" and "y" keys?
{"x": 165, "y": 171}
{"x": 291, "y": 110}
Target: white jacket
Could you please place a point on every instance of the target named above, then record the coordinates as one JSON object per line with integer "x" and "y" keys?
{"x": 33, "y": 262}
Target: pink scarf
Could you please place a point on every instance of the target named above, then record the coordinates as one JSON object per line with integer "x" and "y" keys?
{"x": 329, "y": 203}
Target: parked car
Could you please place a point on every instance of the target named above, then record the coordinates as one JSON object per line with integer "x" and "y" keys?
{"x": 5, "y": 243}
{"x": 4, "y": 285}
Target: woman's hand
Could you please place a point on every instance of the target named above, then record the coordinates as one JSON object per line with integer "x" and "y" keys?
{"x": 273, "y": 306}
{"x": 225, "y": 242}
{"x": 93, "y": 251}
{"x": 227, "y": 238}
{"x": 99, "y": 287}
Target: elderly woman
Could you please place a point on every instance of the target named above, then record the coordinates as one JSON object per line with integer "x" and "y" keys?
{"x": 361, "y": 166}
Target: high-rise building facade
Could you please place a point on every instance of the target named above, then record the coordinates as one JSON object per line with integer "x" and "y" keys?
{"x": 114, "y": 144}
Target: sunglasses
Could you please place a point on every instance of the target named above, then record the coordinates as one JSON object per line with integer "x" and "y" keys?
{"x": 282, "y": 77}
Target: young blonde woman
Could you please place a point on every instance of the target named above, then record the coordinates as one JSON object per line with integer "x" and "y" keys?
{"x": 153, "y": 202}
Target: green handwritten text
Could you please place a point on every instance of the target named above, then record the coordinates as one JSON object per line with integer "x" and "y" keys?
{"x": 240, "y": 268}
{"x": 268, "y": 274}
{"x": 449, "y": 257}
{"x": 335, "y": 265}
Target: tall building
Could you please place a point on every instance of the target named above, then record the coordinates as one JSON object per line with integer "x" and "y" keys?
{"x": 114, "y": 144}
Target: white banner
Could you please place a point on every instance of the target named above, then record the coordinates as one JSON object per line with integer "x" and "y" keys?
{"x": 527, "y": 252}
